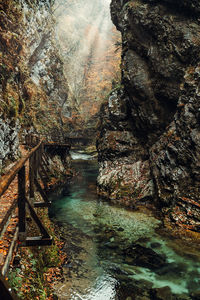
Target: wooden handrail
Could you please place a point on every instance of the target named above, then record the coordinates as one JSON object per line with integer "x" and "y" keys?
{"x": 24, "y": 200}
{"x": 8, "y": 178}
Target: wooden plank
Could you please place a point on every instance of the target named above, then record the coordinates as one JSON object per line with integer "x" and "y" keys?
{"x": 10, "y": 253}
{"x": 46, "y": 159}
{"x": 22, "y": 203}
{"x": 7, "y": 216}
{"x": 6, "y": 293}
{"x": 54, "y": 145}
{"x": 40, "y": 190}
{"x": 37, "y": 220}
{"x": 42, "y": 204}
{"x": 44, "y": 171}
{"x": 35, "y": 164}
{"x": 43, "y": 179}
{"x": 37, "y": 241}
{"x": 8, "y": 178}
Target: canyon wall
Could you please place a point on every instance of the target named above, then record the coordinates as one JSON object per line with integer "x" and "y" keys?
{"x": 33, "y": 88}
{"x": 149, "y": 140}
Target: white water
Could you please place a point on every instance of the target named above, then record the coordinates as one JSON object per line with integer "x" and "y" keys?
{"x": 80, "y": 156}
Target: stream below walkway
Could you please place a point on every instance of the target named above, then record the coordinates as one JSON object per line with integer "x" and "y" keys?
{"x": 115, "y": 253}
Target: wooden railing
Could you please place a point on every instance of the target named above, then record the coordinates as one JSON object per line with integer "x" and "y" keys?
{"x": 28, "y": 170}
{"x": 26, "y": 190}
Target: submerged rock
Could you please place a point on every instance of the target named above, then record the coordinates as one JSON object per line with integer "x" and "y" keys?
{"x": 163, "y": 293}
{"x": 155, "y": 245}
{"x": 145, "y": 257}
{"x": 195, "y": 296}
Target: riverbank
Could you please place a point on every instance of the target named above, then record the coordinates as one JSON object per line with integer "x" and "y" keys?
{"x": 105, "y": 249}
{"x": 118, "y": 253}
{"x": 33, "y": 270}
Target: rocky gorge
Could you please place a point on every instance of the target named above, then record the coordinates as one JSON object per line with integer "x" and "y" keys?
{"x": 33, "y": 88}
{"x": 50, "y": 58}
{"x": 58, "y": 61}
{"x": 148, "y": 141}
{"x": 149, "y": 133}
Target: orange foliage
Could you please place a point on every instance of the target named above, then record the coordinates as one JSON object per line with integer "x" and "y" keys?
{"x": 101, "y": 69}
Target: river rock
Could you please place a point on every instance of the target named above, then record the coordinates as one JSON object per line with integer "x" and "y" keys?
{"x": 132, "y": 290}
{"x": 172, "y": 270}
{"x": 163, "y": 293}
{"x": 155, "y": 245}
{"x": 195, "y": 295}
{"x": 183, "y": 297}
{"x": 145, "y": 257}
{"x": 120, "y": 229}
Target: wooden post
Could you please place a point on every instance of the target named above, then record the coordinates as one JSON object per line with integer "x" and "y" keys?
{"x": 22, "y": 203}
{"x": 35, "y": 163}
{"x": 31, "y": 176}
{"x": 37, "y": 221}
{"x": 43, "y": 179}
{"x": 42, "y": 151}
{"x": 40, "y": 156}
{"x": 41, "y": 191}
{"x": 6, "y": 291}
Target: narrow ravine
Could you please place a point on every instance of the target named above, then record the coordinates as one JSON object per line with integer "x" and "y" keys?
{"x": 114, "y": 253}
{"x": 122, "y": 75}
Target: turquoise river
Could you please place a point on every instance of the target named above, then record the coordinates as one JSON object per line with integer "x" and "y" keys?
{"x": 115, "y": 253}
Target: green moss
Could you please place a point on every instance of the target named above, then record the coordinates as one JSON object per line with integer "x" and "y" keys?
{"x": 15, "y": 281}
{"x": 13, "y": 107}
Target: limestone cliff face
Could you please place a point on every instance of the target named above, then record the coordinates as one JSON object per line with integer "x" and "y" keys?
{"x": 150, "y": 139}
{"x": 33, "y": 88}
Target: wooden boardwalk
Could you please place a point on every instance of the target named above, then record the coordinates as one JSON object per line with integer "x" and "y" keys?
{"x": 17, "y": 192}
